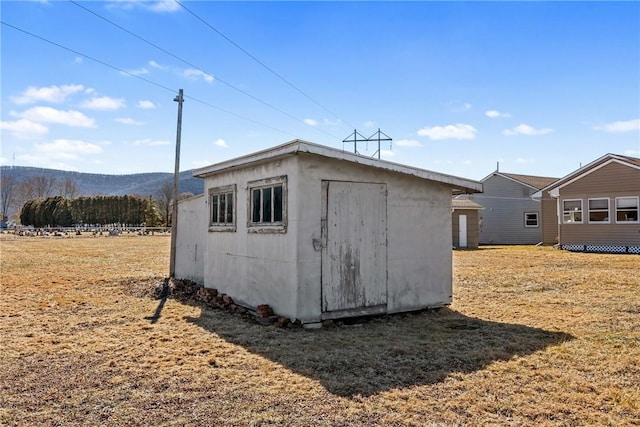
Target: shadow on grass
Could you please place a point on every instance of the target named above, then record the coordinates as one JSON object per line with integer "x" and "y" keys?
{"x": 384, "y": 353}
{"x": 164, "y": 294}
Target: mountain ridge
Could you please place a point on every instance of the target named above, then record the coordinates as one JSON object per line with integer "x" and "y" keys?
{"x": 92, "y": 184}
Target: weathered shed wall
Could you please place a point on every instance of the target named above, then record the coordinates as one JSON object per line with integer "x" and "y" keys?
{"x": 255, "y": 268}
{"x": 418, "y": 232}
{"x": 191, "y": 242}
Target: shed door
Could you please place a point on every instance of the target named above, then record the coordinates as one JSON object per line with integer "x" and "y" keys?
{"x": 354, "y": 254}
{"x": 462, "y": 231}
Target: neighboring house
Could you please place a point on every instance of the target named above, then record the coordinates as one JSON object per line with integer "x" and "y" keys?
{"x": 595, "y": 208}
{"x": 510, "y": 215}
{"x": 319, "y": 233}
{"x": 465, "y": 223}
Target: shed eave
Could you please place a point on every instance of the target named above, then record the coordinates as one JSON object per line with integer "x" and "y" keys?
{"x": 457, "y": 184}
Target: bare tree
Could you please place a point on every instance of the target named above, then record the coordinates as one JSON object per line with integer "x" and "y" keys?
{"x": 7, "y": 185}
{"x": 164, "y": 195}
{"x": 67, "y": 188}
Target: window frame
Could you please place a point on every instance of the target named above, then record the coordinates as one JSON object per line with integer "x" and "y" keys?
{"x": 637, "y": 209}
{"x": 271, "y": 226}
{"x": 564, "y": 220}
{"x": 537, "y": 220}
{"x": 217, "y": 192}
{"x": 589, "y": 210}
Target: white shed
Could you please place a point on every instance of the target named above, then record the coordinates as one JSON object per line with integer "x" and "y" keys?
{"x": 319, "y": 233}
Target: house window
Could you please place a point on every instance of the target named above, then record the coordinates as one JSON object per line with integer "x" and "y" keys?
{"x": 531, "y": 219}
{"x": 627, "y": 209}
{"x": 268, "y": 204}
{"x": 222, "y": 214}
{"x": 572, "y": 211}
{"x": 599, "y": 210}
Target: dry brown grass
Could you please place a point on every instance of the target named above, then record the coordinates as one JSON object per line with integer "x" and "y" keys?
{"x": 536, "y": 336}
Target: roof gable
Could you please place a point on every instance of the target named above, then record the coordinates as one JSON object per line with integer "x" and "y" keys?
{"x": 535, "y": 182}
{"x": 459, "y": 185}
{"x": 600, "y": 162}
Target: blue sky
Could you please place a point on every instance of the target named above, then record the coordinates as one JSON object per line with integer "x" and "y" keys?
{"x": 540, "y": 87}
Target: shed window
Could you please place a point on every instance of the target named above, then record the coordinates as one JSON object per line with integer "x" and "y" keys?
{"x": 572, "y": 211}
{"x": 222, "y": 208}
{"x": 268, "y": 204}
{"x": 599, "y": 210}
{"x": 627, "y": 209}
{"x": 531, "y": 219}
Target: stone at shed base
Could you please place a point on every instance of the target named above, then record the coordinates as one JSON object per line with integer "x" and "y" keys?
{"x": 313, "y": 325}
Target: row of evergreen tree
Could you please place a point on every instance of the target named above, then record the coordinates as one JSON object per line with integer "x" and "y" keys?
{"x": 61, "y": 212}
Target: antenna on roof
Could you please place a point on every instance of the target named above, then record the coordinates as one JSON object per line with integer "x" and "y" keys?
{"x": 358, "y": 137}
{"x": 497, "y": 166}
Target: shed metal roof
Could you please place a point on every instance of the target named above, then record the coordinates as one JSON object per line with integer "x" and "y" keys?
{"x": 458, "y": 185}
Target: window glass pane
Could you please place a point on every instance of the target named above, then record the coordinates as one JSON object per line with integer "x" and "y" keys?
{"x": 277, "y": 203}
{"x": 255, "y": 217}
{"x": 627, "y": 216}
{"x": 266, "y": 205}
{"x": 229, "y": 208}
{"x": 572, "y": 205}
{"x": 627, "y": 202}
{"x": 214, "y": 209}
{"x": 223, "y": 206}
{"x": 531, "y": 219}
{"x": 599, "y": 204}
{"x": 598, "y": 216}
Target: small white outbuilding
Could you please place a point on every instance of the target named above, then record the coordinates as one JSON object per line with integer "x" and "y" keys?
{"x": 318, "y": 233}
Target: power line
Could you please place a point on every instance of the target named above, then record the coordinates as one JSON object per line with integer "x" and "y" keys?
{"x": 271, "y": 70}
{"x": 297, "y": 119}
{"x": 113, "y": 67}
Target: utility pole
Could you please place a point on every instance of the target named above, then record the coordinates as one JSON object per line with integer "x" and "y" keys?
{"x": 174, "y": 217}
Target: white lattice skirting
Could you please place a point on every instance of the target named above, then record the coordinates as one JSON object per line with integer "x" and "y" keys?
{"x": 611, "y": 249}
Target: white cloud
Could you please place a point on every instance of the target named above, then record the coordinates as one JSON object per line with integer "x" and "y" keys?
{"x": 71, "y": 118}
{"x": 311, "y": 122}
{"x": 104, "y": 103}
{"x": 78, "y": 60}
{"x": 146, "y": 105}
{"x": 54, "y": 94}
{"x": 408, "y": 143}
{"x": 220, "y": 143}
{"x": 495, "y": 114}
{"x": 632, "y": 153}
{"x": 154, "y": 64}
{"x": 457, "y": 131}
{"x": 164, "y": 6}
{"x": 129, "y": 121}
{"x": 194, "y": 74}
{"x": 24, "y": 128}
{"x": 369, "y": 124}
{"x": 525, "y": 129}
{"x": 154, "y": 6}
{"x": 620, "y": 126}
{"x": 137, "y": 72}
{"x": 67, "y": 149}
{"x": 386, "y": 154}
{"x": 150, "y": 142}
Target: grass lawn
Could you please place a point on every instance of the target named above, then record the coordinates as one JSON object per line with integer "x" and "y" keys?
{"x": 535, "y": 336}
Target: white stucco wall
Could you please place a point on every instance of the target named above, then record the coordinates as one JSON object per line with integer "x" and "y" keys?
{"x": 284, "y": 269}
{"x": 419, "y": 258}
{"x": 255, "y": 268}
{"x": 190, "y": 242}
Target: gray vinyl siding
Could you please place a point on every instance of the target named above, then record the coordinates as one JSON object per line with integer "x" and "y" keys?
{"x": 505, "y": 202}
